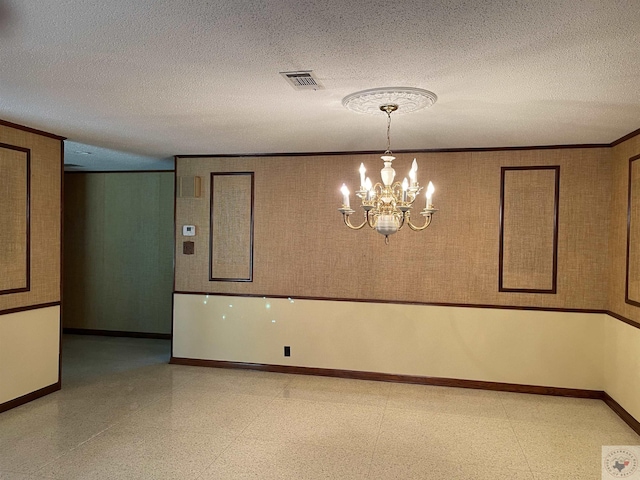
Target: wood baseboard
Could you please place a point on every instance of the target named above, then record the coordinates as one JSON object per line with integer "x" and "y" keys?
{"x": 16, "y": 402}
{"x": 390, "y": 377}
{"x": 622, "y": 413}
{"x": 115, "y": 333}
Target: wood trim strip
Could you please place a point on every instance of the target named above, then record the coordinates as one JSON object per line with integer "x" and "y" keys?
{"x": 377, "y": 152}
{"x": 31, "y": 130}
{"x": 628, "y": 136}
{"x": 175, "y": 233}
{"x": 395, "y": 302}
{"x": 617, "y": 316}
{"x": 626, "y": 320}
{"x": 425, "y": 150}
{"x": 29, "y": 397}
{"x": 622, "y": 413}
{"x": 115, "y": 333}
{"x": 76, "y": 172}
{"x": 390, "y": 377}
{"x": 554, "y": 280}
{"x": 628, "y": 300}
{"x": 61, "y": 261}
{"x": 251, "y": 228}
{"x": 29, "y": 307}
{"x": 27, "y": 286}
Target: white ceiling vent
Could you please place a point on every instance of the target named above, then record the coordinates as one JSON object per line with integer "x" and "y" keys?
{"x": 303, "y": 80}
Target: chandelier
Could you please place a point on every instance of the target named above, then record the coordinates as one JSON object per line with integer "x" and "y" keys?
{"x": 387, "y": 205}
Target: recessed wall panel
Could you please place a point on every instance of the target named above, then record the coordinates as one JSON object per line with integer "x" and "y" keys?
{"x": 14, "y": 219}
{"x": 529, "y": 229}
{"x": 632, "y": 294}
{"x": 231, "y": 228}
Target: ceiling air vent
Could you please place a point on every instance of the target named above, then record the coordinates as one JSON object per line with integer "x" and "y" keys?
{"x": 303, "y": 80}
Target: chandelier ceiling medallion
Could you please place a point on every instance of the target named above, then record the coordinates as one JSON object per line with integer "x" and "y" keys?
{"x": 387, "y": 205}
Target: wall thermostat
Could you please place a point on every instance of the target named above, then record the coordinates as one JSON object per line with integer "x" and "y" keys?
{"x": 188, "y": 230}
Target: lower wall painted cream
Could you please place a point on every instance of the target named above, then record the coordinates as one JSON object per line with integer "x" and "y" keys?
{"x": 29, "y": 351}
{"x": 622, "y": 364}
{"x": 557, "y": 349}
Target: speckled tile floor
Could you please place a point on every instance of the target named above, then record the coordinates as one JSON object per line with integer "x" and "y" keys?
{"x": 124, "y": 413}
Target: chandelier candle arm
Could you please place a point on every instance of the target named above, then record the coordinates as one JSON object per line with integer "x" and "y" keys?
{"x": 427, "y": 214}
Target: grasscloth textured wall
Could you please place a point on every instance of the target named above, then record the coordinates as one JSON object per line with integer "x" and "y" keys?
{"x": 633, "y": 274}
{"x": 618, "y": 222}
{"x": 45, "y": 218}
{"x": 302, "y": 248}
{"x": 118, "y": 251}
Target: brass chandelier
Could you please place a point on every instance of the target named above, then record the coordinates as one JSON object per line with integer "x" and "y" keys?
{"x": 387, "y": 205}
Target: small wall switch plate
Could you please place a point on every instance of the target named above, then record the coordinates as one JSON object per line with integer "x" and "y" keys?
{"x": 188, "y": 230}
{"x": 188, "y": 248}
{"x": 287, "y": 351}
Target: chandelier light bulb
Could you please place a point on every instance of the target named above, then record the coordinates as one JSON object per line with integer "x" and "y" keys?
{"x": 413, "y": 173}
{"x": 368, "y": 184}
{"x": 430, "y": 190}
{"x": 362, "y": 172}
{"x": 345, "y": 195}
{"x": 369, "y": 188}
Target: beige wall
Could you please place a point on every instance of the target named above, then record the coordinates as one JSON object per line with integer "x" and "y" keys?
{"x": 29, "y": 351}
{"x": 118, "y": 258}
{"x": 622, "y": 364}
{"x": 558, "y": 349}
{"x": 303, "y": 249}
{"x": 30, "y": 339}
{"x": 622, "y": 341}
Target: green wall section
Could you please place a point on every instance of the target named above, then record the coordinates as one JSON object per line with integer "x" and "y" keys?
{"x": 118, "y": 251}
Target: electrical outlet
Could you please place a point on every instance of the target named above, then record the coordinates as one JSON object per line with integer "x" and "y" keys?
{"x": 287, "y": 351}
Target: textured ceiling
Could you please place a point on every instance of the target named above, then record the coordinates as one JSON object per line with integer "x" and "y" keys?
{"x": 157, "y": 78}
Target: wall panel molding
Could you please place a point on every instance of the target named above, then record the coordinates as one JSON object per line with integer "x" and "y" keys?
{"x": 231, "y": 227}
{"x": 8, "y": 244}
{"x": 528, "y": 256}
{"x": 632, "y": 277}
